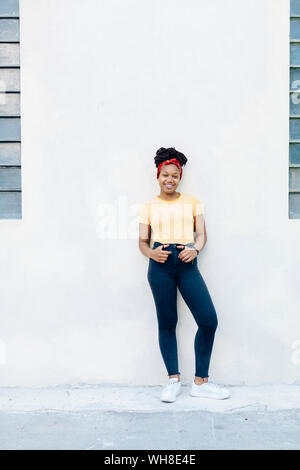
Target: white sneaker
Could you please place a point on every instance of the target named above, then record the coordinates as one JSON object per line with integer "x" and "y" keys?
{"x": 171, "y": 390}
{"x": 209, "y": 390}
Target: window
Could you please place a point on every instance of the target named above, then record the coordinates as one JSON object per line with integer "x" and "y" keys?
{"x": 294, "y": 143}
{"x": 10, "y": 120}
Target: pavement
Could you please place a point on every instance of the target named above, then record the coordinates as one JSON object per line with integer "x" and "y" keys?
{"x": 122, "y": 417}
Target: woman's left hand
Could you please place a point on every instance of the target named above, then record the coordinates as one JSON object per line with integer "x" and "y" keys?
{"x": 187, "y": 254}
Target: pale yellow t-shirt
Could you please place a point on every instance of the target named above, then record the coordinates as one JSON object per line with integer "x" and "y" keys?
{"x": 171, "y": 221}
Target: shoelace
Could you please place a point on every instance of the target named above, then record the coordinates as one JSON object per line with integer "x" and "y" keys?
{"x": 170, "y": 384}
{"x": 215, "y": 386}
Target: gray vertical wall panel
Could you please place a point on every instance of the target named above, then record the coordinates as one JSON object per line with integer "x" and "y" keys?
{"x": 295, "y": 28}
{"x": 9, "y": 30}
{"x": 9, "y": 55}
{"x": 295, "y": 54}
{"x": 294, "y": 177}
{"x": 10, "y": 205}
{"x": 10, "y": 153}
{"x": 294, "y": 205}
{"x": 9, "y": 8}
{"x": 294, "y": 7}
{"x": 9, "y": 104}
{"x": 295, "y": 78}
{"x": 294, "y": 154}
{"x": 10, "y": 129}
{"x": 294, "y": 129}
{"x": 295, "y": 104}
{"x": 10, "y": 178}
{"x": 9, "y": 79}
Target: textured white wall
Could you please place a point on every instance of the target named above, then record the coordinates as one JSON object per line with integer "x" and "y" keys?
{"x": 104, "y": 84}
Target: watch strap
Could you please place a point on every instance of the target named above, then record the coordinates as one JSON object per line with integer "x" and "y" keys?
{"x": 192, "y": 245}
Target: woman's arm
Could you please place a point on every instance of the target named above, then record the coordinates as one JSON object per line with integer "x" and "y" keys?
{"x": 144, "y": 239}
{"x": 200, "y": 237}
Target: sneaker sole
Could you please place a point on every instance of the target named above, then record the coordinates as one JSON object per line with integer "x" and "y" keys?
{"x": 209, "y": 396}
{"x": 170, "y": 401}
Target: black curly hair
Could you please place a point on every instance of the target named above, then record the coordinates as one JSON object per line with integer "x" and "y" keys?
{"x": 163, "y": 154}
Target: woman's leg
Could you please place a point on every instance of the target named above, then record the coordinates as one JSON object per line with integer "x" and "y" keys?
{"x": 164, "y": 290}
{"x": 195, "y": 294}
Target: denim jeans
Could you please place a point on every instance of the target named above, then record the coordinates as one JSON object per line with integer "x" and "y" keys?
{"x": 164, "y": 278}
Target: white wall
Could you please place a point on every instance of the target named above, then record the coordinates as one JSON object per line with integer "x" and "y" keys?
{"x": 104, "y": 84}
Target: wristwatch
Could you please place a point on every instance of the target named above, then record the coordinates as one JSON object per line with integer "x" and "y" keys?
{"x": 192, "y": 245}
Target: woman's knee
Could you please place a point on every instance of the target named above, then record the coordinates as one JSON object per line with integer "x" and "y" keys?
{"x": 169, "y": 327}
{"x": 209, "y": 320}
{"x": 214, "y": 319}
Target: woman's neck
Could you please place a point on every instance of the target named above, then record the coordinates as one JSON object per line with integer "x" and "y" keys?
{"x": 169, "y": 197}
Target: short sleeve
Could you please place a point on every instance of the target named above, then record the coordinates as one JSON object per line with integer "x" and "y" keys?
{"x": 144, "y": 215}
{"x": 197, "y": 207}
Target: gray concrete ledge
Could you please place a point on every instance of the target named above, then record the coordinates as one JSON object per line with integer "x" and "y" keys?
{"x": 144, "y": 399}
{"x": 118, "y": 417}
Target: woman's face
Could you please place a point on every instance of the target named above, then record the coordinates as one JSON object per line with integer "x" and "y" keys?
{"x": 169, "y": 178}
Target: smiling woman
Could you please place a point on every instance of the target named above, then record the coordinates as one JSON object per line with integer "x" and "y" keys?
{"x": 172, "y": 218}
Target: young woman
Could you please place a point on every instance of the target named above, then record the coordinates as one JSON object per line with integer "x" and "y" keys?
{"x": 173, "y": 217}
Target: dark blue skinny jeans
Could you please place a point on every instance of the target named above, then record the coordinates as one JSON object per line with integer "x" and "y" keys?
{"x": 164, "y": 278}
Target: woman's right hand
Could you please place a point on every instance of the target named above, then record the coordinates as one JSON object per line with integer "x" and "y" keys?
{"x": 159, "y": 255}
